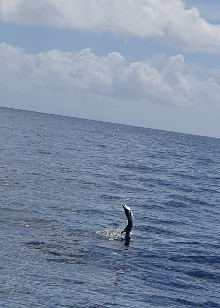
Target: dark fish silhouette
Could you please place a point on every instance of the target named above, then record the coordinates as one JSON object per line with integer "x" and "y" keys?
{"x": 130, "y": 219}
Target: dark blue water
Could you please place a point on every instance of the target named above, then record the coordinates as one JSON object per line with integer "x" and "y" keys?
{"x": 62, "y": 183}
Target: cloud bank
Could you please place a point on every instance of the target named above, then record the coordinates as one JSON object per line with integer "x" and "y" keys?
{"x": 166, "y": 21}
{"x": 112, "y": 76}
{"x": 161, "y": 93}
{"x": 107, "y": 76}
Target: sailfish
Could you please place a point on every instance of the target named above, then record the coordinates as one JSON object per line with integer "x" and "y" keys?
{"x": 130, "y": 219}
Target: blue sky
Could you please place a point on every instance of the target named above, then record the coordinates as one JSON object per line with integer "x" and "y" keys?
{"x": 151, "y": 63}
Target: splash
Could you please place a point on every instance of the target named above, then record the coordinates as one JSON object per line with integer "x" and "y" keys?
{"x": 111, "y": 234}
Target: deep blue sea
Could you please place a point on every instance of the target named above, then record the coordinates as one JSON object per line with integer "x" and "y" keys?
{"x": 62, "y": 183}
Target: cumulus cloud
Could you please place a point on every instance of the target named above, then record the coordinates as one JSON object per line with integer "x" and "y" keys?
{"x": 167, "y": 21}
{"x": 112, "y": 89}
{"x": 108, "y": 77}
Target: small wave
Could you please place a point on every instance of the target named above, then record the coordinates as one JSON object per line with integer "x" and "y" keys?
{"x": 109, "y": 197}
{"x": 203, "y": 275}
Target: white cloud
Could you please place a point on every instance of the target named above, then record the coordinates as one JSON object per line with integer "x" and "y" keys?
{"x": 108, "y": 88}
{"x": 166, "y": 21}
{"x": 110, "y": 76}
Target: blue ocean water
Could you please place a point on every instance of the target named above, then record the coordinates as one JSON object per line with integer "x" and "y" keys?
{"x": 62, "y": 183}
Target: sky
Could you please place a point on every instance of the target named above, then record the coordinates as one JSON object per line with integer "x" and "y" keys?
{"x": 149, "y": 63}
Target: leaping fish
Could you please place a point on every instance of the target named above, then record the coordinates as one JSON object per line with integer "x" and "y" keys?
{"x": 130, "y": 219}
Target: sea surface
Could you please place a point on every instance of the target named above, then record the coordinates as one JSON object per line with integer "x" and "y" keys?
{"x": 62, "y": 183}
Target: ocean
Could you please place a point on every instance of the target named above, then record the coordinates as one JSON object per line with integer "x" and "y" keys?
{"x": 62, "y": 183}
